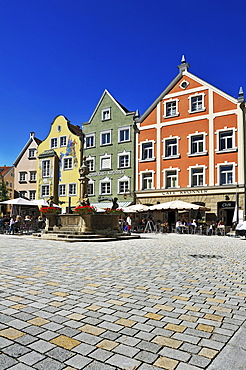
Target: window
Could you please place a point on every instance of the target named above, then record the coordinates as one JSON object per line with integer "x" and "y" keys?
{"x": 147, "y": 150}
{"x": 124, "y": 160}
{"x": 171, "y": 108}
{"x": 62, "y": 190}
{"x": 226, "y": 140}
{"x": 90, "y": 164}
{"x": 171, "y": 147}
{"x": 123, "y": 134}
{"x": 123, "y": 185}
{"x": 105, "y": 138}
{"x": 226, "y": 174}
{"x": 105, "y": 162}
{"x": 22, "y": 177}
{"x": 196, "y": 103}
{"x": 45, "y": 190}
{"x": 197, "y": 176}
{"x": 46, "y": 168}
{"x": 72, "y": 188}
{"x": 63, "y": 141}
{"x": 54, "y": 142}
{"x": 67, "y": 163}
{"x": 32, "y": 176}
{"x": 22, "y": 194}
{"x": 171, "y": 179}
{"x": 106, "y": 114}
{"x": 105, "y": 186}
{"x": 32, "y": 194}
{"x": 89, "y": 140}
{"x": 147, "y": 180}
{"x": 197, "y": 144}
{"x": 32, "y": 153}
{"x": 90, "y": 188}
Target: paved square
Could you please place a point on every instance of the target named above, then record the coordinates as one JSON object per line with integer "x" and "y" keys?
{"x": 160, "y": 302}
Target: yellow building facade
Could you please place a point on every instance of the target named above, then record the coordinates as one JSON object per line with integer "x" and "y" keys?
{"x": 59, "y": 162}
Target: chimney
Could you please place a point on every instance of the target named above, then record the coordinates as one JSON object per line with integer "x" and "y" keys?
{"x": 240, "y": 98}
{"x": 183, "y": 67}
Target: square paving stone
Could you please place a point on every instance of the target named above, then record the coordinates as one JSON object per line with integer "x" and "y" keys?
{"x": 16, "y": 350}
{"x": 31, "y": 358}
{"x": 60, "y": 354}
{"x": 11, "y": 333}
{"x": 146, "y": 357}
{"x": 49, "y": 364}
{"x": 100, "y": 354}
{"x": 78, "y": 361}
{"x": 123, "y": 362}
{"x": 6, "y": 362}
{"x": 65, "y": 342}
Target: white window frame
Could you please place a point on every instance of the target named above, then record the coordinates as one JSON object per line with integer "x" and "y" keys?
{"x": 226, "y": 129}
{"x": 62, "y": 139}
{"x": 32, "y": 176}
{"x": 90, "y": 137}
{"x": 62, "y": 193}
{"x": 32, "y": 153}
{"x": 152, "y": 142}
{"x": 54, "y": 142}
{"x": 32, "y": 194}
{"x": 22, "y": 194}
{"x": 124, "y": 154}
{"x": 124, "y": 129}
{"x": 165, "y": 171}
{"x": 172, "y": 156}
{"x": 197, "y": 95}
{"x": 106, "y": 114}
{"x": 219, "y": 166}
{"x": 90, "y": 159}
{"x": 105, "y": 180}
{"x": 126, "y": 180}
{"x": 172, "y": 114}
{"x": 105, "y": 132}
{"x": 72, "y": 185}
{"x": 197, "y": 166}
{"x": 142, "y": 174}
{"x": 46, "y": 172}
{"x": 103, "y": 157}
{"x": 22, "y": 176}
{"x": 190, "y": 136}
{"x": 47, "y": 193}
{"x": 91, "y": 183}
{"x": 67, "y": 161}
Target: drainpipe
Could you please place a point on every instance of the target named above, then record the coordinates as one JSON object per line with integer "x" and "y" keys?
{"x": 242, "y": 106}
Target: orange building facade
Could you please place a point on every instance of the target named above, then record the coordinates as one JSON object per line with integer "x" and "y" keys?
{"x": 191, "y": 146}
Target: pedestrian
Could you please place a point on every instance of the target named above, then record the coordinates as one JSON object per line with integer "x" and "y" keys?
{"x": 129, "y": 224}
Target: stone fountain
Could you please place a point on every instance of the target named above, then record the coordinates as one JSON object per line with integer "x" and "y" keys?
{"x": 84, "y": 227}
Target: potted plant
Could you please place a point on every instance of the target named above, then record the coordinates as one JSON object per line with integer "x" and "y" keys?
{"x": 85, "y": 210}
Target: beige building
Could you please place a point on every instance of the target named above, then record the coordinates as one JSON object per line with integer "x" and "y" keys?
{"x": 26, "y": 169}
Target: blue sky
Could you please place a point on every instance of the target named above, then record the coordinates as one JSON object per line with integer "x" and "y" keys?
{"x": 58, "y": 56}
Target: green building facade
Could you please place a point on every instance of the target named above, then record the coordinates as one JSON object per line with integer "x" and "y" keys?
{"x": 109, "y": 147}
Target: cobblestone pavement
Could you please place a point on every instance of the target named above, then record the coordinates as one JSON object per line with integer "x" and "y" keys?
{"x": 159, "y": 302}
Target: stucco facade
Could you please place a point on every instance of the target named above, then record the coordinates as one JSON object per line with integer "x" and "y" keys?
{"x": 191, "y": 146}
{"x": 59, "y": 162}
{"x": 110, "y": 150}
{"x": 26, "y": 169}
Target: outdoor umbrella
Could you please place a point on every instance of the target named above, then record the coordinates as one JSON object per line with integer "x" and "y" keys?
{"x": 16, "y": 204}
{"x": 136, "y": 208}
{"x": 176, "y": 205}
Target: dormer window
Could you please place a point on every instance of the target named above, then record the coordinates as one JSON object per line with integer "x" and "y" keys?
{"x": 106, "y": 114}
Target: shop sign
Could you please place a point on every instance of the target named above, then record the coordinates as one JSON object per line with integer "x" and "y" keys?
{"x": 224, "y": 205}
{"x": 104, "y": 173}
